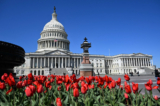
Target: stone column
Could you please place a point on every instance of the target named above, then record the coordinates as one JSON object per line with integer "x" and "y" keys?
{"x": 48, "y": 62}
{"x": 141, "y": 61}
{"x": 41, "y": 62}
{"x": 37, "y": 62}
{"x": 77, "y": 62}
{"x": 33, "y": 62}
{"x": 62, "y": 45}
{"x": 69, "y": 62}
{"x": 44, "y": 62}
{"x": 58, "y": 62}
{"x": 133, "y": 61}
{"x": 74, "y": 63}
{"x": 55, "y": 63}
{"x": 51, "y": 62}
{"x": 65, "y": 62}
{"x": 62, "y": 62}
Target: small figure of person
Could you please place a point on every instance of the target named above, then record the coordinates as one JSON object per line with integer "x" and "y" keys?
{"x": 138, "y": 73}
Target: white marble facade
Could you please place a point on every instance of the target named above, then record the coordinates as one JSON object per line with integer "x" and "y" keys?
{"x": 54, "y": 52}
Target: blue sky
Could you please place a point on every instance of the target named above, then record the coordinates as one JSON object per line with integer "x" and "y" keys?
{"x": 123, "y": 26}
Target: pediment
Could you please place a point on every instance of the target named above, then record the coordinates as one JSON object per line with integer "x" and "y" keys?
{"x": 139, "y": 54}
{"x": 57, "y": 52}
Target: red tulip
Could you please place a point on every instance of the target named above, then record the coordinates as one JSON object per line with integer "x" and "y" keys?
{"x": 75, "y": 85}
{"x": 118, "y": 81}
{"x": 150, "y": 82}
{"x": 45, "y": 91}
{"x": 52, "y": 80}
{"x": 89, "y": 81}
{"x": 19, "y": 84}
{"x": 30, "y": 76}
{"x": 47, "y": 84}
{"x": 86, "y": 86}
{"x": 20, "y": 78}
{"x": 58, "y": 102}
{"x": 24, "y": 83}
{"x": 28, "y": 91}
{"x": 121, "y": 87}
{"x": 109, "y": 79}
{"x": 158, "y": 81}
{"x": 67, "y": 86}
{"x": 155, "y": 87}
{"x": 83, "y": 90}
{"x": 82, "y": 83}
{"x": 127, "y": 89}
{"x": 156, "y": 97}
{"x": 2, "y": 85}
{"x": 10, "y": 80}
{"x": 82, "y": 78}
{"x": 9, "y": 91}
{"x": 29, "y": 82}
{"x": 106, "y": 78}
{"x": 113, "y": 83}
{"x": 126, "y": 95}
{"x": 134, "y": 87}
{"x": 40, "y": 88}
{"x": 4, "y": 76}
{"x": 105, "y": 85}
{"x": 126, "y": 77}
{"x": 91, "y": 86}
{"x": 33, "y": 88}
{"x": 75, "y": 92}
{"x": 59, "y": 88}
{"x": 148, "y": 87}
{"x": 125, "y": 83}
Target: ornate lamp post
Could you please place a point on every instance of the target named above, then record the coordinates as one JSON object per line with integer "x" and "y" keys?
{"x": 86, "y": 68}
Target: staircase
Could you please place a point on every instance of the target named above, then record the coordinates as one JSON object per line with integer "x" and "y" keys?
{"x": 59, "y": 71}
{"x": 148, "y": 71}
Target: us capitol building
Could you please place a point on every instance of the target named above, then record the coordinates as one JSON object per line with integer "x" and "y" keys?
{"x": 53, "y": 56}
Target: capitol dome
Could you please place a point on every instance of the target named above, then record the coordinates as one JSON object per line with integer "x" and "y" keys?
{"x": 53, "y": 37}
{"x": 53, "y": 24}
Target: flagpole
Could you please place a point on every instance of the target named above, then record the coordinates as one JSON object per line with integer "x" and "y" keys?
{"x": 109, "y": 52}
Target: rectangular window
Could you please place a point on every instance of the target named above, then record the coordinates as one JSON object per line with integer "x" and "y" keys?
{"x": 17, "y": 71}
{"x": 100, "y": 64}
{"x": 97, "y": 64}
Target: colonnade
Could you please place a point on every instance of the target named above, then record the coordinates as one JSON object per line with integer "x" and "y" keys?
{"x": 109, "y": 62}
{"x": 53, "y": 44}
{"x": 136, "y": 62}
{"x": 55, "y": 62}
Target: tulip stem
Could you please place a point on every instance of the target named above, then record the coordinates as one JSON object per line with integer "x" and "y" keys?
{"x": 150, "y": 98}
{"x": 127, "y": 101}
{"x": 84, "y": 98}
{"x": 136, "y": 99}
{"x": 14, "y": 98}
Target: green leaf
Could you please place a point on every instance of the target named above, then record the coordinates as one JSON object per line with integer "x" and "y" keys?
{"x": 146, "y": 94}
{"x": 66, "y": 100}
{"x": 140, "y": 91}
{"x": 121, "y": 104}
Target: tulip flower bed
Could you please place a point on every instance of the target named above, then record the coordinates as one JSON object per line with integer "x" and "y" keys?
{"x": 68, "y": 91}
